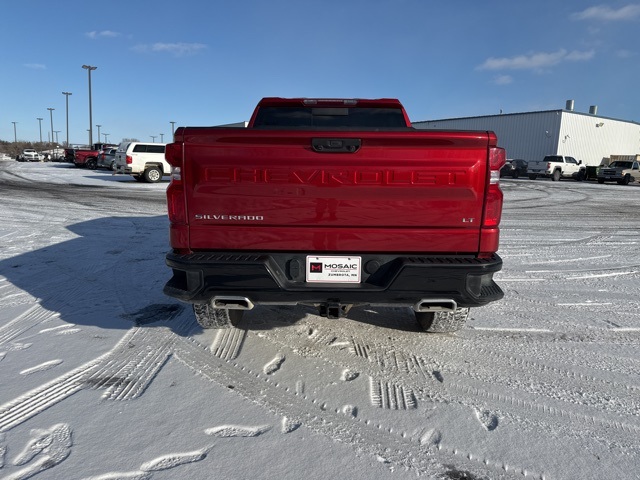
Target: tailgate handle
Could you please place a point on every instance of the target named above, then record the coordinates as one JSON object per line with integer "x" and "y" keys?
{"x": 336, "y": 145}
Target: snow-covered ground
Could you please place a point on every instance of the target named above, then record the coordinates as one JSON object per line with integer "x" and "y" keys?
{"x": 103, "y": 377}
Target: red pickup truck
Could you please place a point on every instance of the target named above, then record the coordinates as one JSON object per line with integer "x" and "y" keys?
{"x": 333, "y": 204}
{"x": 88, "y": 157}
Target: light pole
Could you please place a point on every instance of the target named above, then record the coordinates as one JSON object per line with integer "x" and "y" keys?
{"x": 153, "y": 138}
{"x": 66, "y": 94}
{"x": 51, "y": 114}
{"x": 162, "y": 138}
{"x": 173, "y": 124}
{"x": 57, "y": 132}
{"x": 40, "y": 123}
{"x": 98, "y": 131}
{"x": 105, "y": 137}
{"x": 15, "y": 135}
{"x": 88, "y": 68}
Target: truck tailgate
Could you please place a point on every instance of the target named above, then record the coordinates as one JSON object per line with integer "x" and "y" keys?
{"x": 410, "y": 191}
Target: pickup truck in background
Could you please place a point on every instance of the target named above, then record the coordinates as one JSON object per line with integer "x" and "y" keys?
{"x": 334, "y": 204}
{"x": 88, "y": 157}
{"x": 623, "y": 172}
{"x": 557, "y": 167}
{"x": 30, "y": 155}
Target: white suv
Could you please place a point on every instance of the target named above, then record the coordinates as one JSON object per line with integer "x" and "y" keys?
{"x": 144, "y": 161}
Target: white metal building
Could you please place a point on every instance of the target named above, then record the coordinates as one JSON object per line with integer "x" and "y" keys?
{"x": 531, "y": 136}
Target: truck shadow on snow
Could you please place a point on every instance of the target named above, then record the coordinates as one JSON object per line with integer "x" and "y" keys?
{"x": 111, "y": 275}
{"x": 268, "y": 317}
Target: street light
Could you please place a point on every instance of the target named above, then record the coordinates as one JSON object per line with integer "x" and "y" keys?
{"x": 66, "y": 94}
{"x": 162, "y": 138}
{"x": 88, "y": 68}
{"x": 173, "y": 124}
{"x": 57, "y": 132}
{"x": 98, "y": 131}
{"x": 153, "y": 138}
{"x": 51, "y": 114}
{"x": 40, "y": 123}
{"x": 15, "y": 135}
{"x": 105, "y": 137}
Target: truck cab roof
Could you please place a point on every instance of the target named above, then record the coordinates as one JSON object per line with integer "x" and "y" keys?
{"x": 317, "y": 113}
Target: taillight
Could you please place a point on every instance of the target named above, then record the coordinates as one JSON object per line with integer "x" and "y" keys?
{"x": 173, "y": 154}
{"x": 175, "y": 191}
{"x": 494, "y": 197}
{"x": 129, "y": 159}
{"x": 175, "y": 203}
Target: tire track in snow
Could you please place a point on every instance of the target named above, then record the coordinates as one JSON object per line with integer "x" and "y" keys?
{"x": 125, "y": 372}
{"x": 390, "y": 395}
{"x": 29, "y": 319}
{"x": 128, "y": 368}
{"x": 41, "y": 368}
{"x": 228, "y": 343}
{"x": 365, "y": 436}
{"x": 475, "y": 391}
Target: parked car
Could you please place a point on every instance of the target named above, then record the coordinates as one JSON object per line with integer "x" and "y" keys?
{"x": 107, "y": 159}
{"x": 143, "y": 161}
{"x": 621, "y": 172}
{"x": 514, "y": 168}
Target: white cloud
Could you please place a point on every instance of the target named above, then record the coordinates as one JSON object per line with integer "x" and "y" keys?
{"x": 606, "y": 13}
{"x": 503, "y": 80}
{"x": 103, "y": 34}
{"x": 177, "y": 49}
{"x": 577, "y": 56}
{"x": 625, "y": 54}
{"x": 35, "y": 66}
{"x": 535, "y": 61}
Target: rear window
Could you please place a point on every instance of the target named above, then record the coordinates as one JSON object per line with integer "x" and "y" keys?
{"x": 141, "y": 147}
{"x": 329, "y": 117}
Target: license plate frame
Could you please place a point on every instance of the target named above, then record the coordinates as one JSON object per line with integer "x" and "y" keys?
{"x": 333, "y": 269}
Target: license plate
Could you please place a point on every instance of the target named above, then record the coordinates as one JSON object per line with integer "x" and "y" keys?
{"x": 333, "y": 269}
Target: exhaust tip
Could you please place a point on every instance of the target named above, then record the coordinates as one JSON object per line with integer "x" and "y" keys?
{"x": 232, "y": 303}
{"x": 436, "y": 305}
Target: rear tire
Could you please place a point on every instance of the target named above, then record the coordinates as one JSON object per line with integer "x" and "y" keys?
{"x": 601, "y": 181}
{"x": 532, "y": 176}
{"x": 556, "y": 176}
{"x": 152, "y": 175}
{"x": 443, "y": 322}
{"x": 92, "y": 164}
{"x": 515, "y": 174}
{"x": 209, "y": 317}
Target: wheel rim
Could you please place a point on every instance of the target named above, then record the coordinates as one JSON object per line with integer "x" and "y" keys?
{"x": 154, "y": 175}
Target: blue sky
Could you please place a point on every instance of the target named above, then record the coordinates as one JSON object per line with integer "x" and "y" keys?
{"x": 208, "y": 62}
